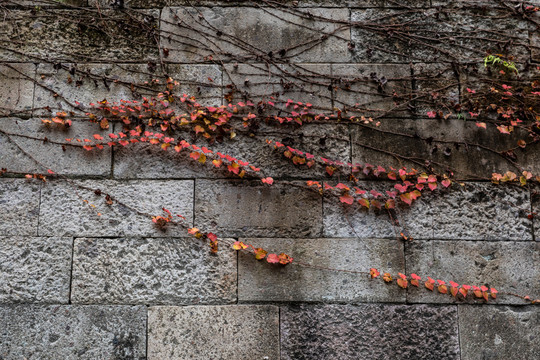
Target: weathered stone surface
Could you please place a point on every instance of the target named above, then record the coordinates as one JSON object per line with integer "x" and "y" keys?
{"x": 307, "y": 83}
{"x": 71, "y": 161}
{"x": 499, "y": 332}
{"x": 45, "y": 3}
{"x": 265, "y": 282}
{"x": 469, "y": 151}
{"x": 260, "y": 32}
{"x": 72, "y": 332}
{"x": 213, "y": 332}
{"x": 482, "y": 211}
{"x": 16, "y": 88}
{"x": 19, "y": 207}
{"x": 150, "y": 161}
{"x": 35, "y": 269}
{"x": 535, "y": 199}
{"x": 506, "y": 266}
{"x": 250, "y": 208}
{"x": 342, "y": 220}
{"x": 461, "y": 35}
{"x": 79, "y": 35}
{"x": 369, "y": 332}
{"x": 369, "y": 89}
{"x": 202, "y": 81}
{"x": 152, "y": 271}
{"x": 61, "y": 86}
{"x": 62, "y": 212}
{"x": 153, "y": 4}
{"x": 437, "y": 87}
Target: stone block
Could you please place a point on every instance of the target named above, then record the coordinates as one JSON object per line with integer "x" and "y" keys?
{"x": 64, "y": 212}
{"x": 535, "y": 210}
{"x": 327, "y": 140}
{"x": 202, "y": 34}
{"x": 61, "y": 86}
{"x": 506, "y": 266}
{"x": 499, "y": 332}
{"x": 214, "y": 332}
{"x": 202, "y": 81}
{"x": 19, "y": 207}
{"x": 482, "y": 211}
{"x": 155, "y": 4}
{"x": 369, "y": 331}
{"x": 46, "y": 3}
{"x": 437, "y": 88}
{"x": 152, "y": 271}
{"x": 372, "y": 90}
{"x": 72, "y": 332}
{"x": 80, "y": 36}
{"x": 460, "y": 146}
{"x": 35, "y": 269}
{"x": 465, "y": 35}
{"x": 16, "y": 88}
{"x": 343, "y": 220}
{"x": 307, "y": 83}
{"x": 260, "y": 281}
{"x": 28, "y": 135}
{"x": 250, "y": 208}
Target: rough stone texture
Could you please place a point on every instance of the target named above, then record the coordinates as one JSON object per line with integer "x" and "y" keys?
{"x": 61, "y": 86}
{"x": 266, "y": 282}
{"x": 152, "y": 4}
{"x": 443, "y": 142}
{"x": 436, "y": 87}
{"x": 250, "y": 208}
{"x": 152, "y": 271}
{"x": 71, "y": 161}
{"x": 35, "y": 269}
{"x": 72, "y": 332}
{"x": 499, "y": 332}
{"x": 70, "y": 35}
{"x": 482, "y": 212}
{"x": 342, "y": 220}
{"x": 506, "y": 266}
{"x": 375, "y": 40}
{"x": 187, "y": 36}
{"x": 19, "y": 207}
{"x": 213, "y": 332}
{"x": 62, "y": 212}
{"x": 369, "y": 88}
{"x": 369, "y": 332}
{"x": 150, "y": 161}
{"x": 16, "y": 88}
{"x": 307, "y": 83}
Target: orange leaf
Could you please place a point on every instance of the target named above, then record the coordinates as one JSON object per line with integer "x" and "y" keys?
{"x": 387, "y": 277}
{"x": 374, "y": 273}
{"x": 272, "y": 259}
{"x": 260, "y": 253}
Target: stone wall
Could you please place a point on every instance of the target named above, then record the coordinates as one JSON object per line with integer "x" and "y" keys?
{"x": 75, "y": 285}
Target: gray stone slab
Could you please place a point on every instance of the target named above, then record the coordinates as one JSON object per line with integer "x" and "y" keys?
{"x": 369, "y": 332}
{"x": 72, "y": 332}
{"x": 482, "y": 211}
{"x": 62, "y": 212}
{"x": 16, "y": 88}
{"x": 152, "y": 271}
{"x": 71, "y": 161}
{"x": 153, "y": 4}
{"x": 460, "y": 146}
{"x": 343, "y": 220}
{"x": 251, "y": 208}
{"x": 202, "y": 81}
{"x": 307, "y": 83}
{"x": 46, "y": 3}
{"x": 465, "y": 35}
{"x": 35, "y": 269}
{"x": 19, "y": 207}
{"x": 535, "y": 211}
{"x": 61, "y": 86}
{"x": 372, "y": 89}
{"x": 506, "y": 266}
{"x": 260, "y": 281}
{"x": 194, "y": 39}
{"x": 437, "y": 88}
{"x": 80, "y": 35}
{"x": 150, "y": 161}
{"x": 499, "y": 332}
{"x": 213, "y": 332}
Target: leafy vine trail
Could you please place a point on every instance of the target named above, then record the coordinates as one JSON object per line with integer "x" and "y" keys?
{"x": 412, "y": 122}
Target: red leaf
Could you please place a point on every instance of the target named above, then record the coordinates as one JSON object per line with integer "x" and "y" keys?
{"x": 374, "y": 273}
{"x": 364, "y": 202}
{"x": 268, "y": 180}
{"x": 272, "y": 259}
{"x": 347, "y": 199}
